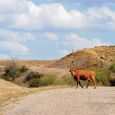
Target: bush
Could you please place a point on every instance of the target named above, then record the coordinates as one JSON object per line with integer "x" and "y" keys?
{"x": 112, "y": 82}
{"x": 112, "y": 68}
{"x": 12, "y": 71}
{"x": 48, "y": 80}
{"x": 102, "y": 76}
{"x": 112, "y": 74}
{"x": 31, "y": 75}
{"x": 35, "y": 82}
{"x": 23, "y": 69}
{"x": 44, "y": 81}
{"x": 112, "y": 79}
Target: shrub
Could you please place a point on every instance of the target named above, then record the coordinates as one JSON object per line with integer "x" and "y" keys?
{"x": 112, "y": 74}
{"x": 102, "y": 75}
{"x": 112, "y": 79}
{"x": 112, "y": 68}
{"x": 35, "y": 82}
{"x": 48, "y": 80}
{"x": 44, "y": 81}
{"x": 12, "y": 71}
{"x": 23, "y": 69}
{"x": 31, "y": 75}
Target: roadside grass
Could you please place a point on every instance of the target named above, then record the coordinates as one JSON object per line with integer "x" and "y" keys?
{"x": 8, "y": 97}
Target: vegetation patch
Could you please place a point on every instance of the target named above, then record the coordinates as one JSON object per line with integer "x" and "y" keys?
{"x": 112, "y": 74}
{"x": 26, "y": 77}
{"x": 32, "y": 75}
{"x": 12, "y": 71}
{"x": 44, "y": 81}
{"x": 68, "y": 80}
{"x": 102, "y": 76}
{"x": 112, "y": 68}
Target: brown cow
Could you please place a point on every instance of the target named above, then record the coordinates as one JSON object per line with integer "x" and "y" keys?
{"x": 78, "y": 75}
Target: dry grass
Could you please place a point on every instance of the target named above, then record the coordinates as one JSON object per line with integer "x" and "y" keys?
{"x": 7, "y": 91}
{"x": 51, "y": 71}
{"x": 28, "y": 63}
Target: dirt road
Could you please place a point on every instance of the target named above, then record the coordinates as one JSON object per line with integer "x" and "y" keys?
{"x": 67, "y": 101}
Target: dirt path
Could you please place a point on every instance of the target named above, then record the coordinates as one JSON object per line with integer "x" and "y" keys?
{"x": 67, "y": 101}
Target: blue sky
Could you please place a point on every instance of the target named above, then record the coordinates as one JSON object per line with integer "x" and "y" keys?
{"x": 50, "y": 29}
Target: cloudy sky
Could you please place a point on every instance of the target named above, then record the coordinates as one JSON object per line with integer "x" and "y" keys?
{"x": 50, "y": 29}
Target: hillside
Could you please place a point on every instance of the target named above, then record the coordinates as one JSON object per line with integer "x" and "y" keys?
{"x": 102, "y": 56}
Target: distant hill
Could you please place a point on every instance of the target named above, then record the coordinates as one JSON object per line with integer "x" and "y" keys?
{"x": 101, "y": 56}
{"x": 28, "y": 63}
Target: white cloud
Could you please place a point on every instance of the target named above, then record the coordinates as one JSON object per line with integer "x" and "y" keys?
{"x": 51, "y": 36}
{"x": 63, "y": 52}
{"x": 54, "y": 16}
{"x": 75, "y": 41}
{"x": 101, "y": 17}
{"x": 11, "y": 41}
{"x": 16, "y": 36}
{"x": 13, "y": 6}
{"x": 43, "y": 16}
{"x": 14, "y": 47}
{"x": 79, "y": 20}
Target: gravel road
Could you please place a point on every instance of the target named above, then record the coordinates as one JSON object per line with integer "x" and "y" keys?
{"x": 67, "y": 101}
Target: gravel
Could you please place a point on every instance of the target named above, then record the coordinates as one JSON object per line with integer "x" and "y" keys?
{"x": 67, "y": 101}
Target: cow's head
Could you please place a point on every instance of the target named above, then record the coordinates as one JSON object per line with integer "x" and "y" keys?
{"x": 73, "y": 67}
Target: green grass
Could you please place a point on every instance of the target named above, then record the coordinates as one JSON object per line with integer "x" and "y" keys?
{"x": 45, "y": 81}
{"x": 112, "y": 68}
{"x": 52, "y": 80}
{"x": 102, "y": 75}
{"x": 68, "y": 80}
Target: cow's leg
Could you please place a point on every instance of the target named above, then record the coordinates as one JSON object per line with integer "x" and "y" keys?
{"x": 88, "y": 81}
{"x": 77, "y": 84}
{"x": 80, "y": 84}
{"x": 94, "y": 82}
